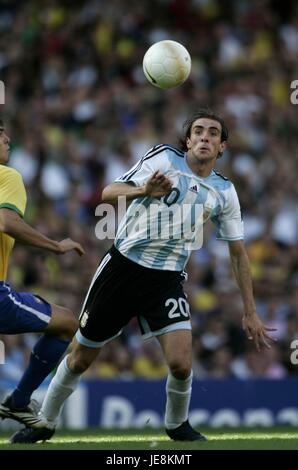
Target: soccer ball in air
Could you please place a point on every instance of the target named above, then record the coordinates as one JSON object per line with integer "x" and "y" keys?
{"x": 166, "y": 64}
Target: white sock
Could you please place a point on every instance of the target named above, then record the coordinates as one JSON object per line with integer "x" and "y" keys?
{"x": 178, "y": 399}
{"x": 60, "y": 388}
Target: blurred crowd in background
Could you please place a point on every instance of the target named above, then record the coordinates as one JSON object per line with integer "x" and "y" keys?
{"x": 80, "y": 113}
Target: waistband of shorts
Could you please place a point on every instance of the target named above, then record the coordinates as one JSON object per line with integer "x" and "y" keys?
{"x": 117, "y": 254}
{"x": 5, "y": 285}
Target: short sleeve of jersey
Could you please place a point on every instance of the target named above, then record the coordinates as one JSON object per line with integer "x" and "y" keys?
{"x": 152, "y": 161}
{"x": 12, "y": 191}
{"x": 229, "y": 222}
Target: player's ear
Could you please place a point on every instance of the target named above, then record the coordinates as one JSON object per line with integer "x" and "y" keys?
{"x": 222, "y": 147}
{"x": 188, "y": 144}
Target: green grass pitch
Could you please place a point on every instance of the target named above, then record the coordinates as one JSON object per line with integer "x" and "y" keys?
{"x": 277, "y": 438}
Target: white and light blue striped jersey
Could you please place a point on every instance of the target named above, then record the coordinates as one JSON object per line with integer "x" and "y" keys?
{"x": 155, "y": 236}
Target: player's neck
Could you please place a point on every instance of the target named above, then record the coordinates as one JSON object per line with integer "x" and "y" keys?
{"x": 199, "y": 167}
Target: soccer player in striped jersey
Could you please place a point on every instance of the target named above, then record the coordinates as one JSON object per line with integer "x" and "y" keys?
{"x": 25, "y": 312}
{"x": 142, "y": 273}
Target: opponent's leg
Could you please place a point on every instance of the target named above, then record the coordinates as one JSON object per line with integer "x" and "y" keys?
{"x": 61, "y": 387}
{"x": 44, "y": 358}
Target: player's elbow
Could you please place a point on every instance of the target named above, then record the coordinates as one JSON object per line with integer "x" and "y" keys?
{"x": 7, "y": 222}
{"x": 108, "y": 195}
{"x": 105, "y": 194}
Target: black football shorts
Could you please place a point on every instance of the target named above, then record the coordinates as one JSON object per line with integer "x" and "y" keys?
{"x": 122, "y": 289}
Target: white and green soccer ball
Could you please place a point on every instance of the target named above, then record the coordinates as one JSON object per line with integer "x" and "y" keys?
{"x": 167, "y": 64}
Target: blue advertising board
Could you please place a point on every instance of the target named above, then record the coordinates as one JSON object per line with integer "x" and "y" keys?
{"x": 214, "y": 403}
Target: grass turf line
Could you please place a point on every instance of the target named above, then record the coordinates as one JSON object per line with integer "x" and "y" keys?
{"x": 283, "y": 438}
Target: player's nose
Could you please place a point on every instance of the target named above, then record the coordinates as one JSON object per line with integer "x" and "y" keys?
{"x": 204, "y": 136}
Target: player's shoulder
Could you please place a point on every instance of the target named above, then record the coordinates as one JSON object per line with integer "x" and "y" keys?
{"x": 163, "y": 149}
{"x": 221, "y": 181}
{"x": 9, "y": 174}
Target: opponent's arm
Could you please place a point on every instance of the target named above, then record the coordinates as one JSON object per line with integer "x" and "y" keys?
{"x": 158, "y": 185}
{"x": 252, "y": 324}
{"x": 13, "y": 225}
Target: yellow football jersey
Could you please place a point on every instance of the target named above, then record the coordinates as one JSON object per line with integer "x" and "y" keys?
{"x": 12, "y": 196}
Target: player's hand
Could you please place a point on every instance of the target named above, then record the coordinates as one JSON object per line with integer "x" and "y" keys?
{"x": 68, "y": 245}
{"x": 257, "y": 331}
{"x": 158, "y": 185}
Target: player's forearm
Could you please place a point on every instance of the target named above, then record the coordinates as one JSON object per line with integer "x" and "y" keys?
{"x": 23, "y": 233}
{"x": 111, "y": 192}
{"x": 241, "y": 269}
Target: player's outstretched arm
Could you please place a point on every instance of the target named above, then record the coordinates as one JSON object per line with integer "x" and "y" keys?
{"x": 157, "y": 185}
{"x": 252, "y": 324}
{"x": 12, "y": 224}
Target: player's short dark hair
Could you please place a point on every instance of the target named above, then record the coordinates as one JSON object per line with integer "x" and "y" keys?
{"x": 201, "y": 113}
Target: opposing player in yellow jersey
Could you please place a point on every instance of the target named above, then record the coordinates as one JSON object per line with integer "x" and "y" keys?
{"x": 25, "y": 312}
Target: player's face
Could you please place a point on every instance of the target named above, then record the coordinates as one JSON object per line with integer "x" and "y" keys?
{"x": 4, "y": 146}
{"x": 204, "y": 142}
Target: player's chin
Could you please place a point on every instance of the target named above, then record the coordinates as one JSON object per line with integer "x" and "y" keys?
{"x": 204, "y": 154}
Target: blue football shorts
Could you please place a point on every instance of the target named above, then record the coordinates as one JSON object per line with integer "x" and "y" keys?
{"x": 21, "y": 312}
